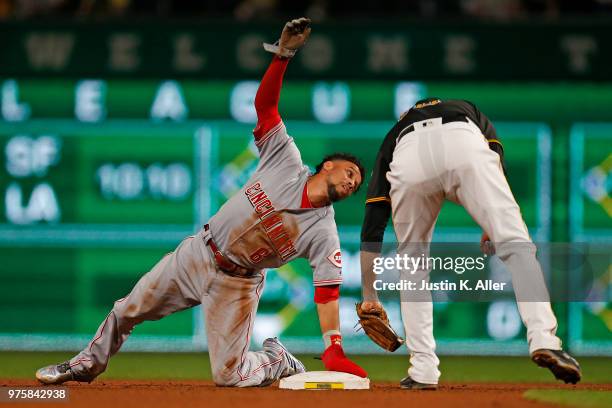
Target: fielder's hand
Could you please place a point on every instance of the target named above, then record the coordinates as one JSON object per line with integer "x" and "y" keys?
{"x": 486, "y": 246}
{"x": 375, "y": 323}
{"x": 372, "y": 307}
{"x": 294, "y": 36}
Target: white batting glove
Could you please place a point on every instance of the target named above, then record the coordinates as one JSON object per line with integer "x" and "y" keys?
{"x": 294, "y": 36}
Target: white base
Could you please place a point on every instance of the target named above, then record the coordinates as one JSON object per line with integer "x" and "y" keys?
{"x": 324, "y": 380}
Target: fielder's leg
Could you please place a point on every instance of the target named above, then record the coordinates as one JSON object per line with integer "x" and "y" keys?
{"x": 230, "y": 305}
{"x": 416, "y": 200}
{"x": 480, "y": 186}
{"x": 175, "y": 283}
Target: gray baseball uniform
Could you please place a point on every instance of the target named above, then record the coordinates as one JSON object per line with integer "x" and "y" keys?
{"x": 262, "y": 226}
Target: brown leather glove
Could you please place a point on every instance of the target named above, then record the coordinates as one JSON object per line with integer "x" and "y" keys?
{"x": 376, "y": 325}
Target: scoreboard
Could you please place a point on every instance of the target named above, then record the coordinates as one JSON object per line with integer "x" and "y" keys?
{"x": 100, "y": 179}
{"x": 117, "y": 181}
{"x": 590, "y": 323}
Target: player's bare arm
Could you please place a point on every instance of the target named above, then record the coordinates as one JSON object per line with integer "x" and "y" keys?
{"x": 329, "y": 315}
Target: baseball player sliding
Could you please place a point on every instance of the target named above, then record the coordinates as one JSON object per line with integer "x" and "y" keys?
{"x": 281, "y": 214}
{"x": 446, "y": 149}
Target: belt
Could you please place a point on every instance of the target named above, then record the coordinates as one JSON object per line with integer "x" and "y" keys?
{"x": 445, "y": 120}
{"x": 225, "y": 264}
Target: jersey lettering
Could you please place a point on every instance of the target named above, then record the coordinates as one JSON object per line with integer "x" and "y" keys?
{"x": 272, "y": 223}
{"x": 255, "y": 187}
{"x": 263, "y": 206}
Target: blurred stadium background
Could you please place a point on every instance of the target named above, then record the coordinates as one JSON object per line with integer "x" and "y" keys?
{"x": 125, "y": 124}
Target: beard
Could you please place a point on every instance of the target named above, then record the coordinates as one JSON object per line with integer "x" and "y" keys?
{"x": 332, "y": 193}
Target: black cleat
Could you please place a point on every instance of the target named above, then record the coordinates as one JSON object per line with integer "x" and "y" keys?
{"x": 409, "y": 384}
{"x": 561, "y": 364}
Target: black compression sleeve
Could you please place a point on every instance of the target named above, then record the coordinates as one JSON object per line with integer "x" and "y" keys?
{"x": 375, "y": 221}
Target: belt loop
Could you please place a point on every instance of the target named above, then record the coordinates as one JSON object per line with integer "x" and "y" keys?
{"x": 206, "y": 236}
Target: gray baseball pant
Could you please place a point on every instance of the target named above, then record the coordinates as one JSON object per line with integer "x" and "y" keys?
{"x": 183, "y": 279}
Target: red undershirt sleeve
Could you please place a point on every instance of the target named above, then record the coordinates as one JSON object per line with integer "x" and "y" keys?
{"x": 268, "y": 96}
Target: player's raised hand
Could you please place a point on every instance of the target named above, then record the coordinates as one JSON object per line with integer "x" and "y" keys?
{"x": 294, "y": 35}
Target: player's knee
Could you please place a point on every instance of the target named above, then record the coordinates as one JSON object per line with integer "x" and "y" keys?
{"x": 126, "y": 308}
{"x": 127, "y": 313}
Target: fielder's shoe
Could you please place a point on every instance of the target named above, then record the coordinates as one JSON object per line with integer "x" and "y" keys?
{"x": 562, "y": 365}
{"x": 55, "y": 374}
{"x": 409, "y": 384}
{"x": 294, "y": 366}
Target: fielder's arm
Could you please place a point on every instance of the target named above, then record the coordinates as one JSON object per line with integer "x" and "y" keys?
{"x": 495, "y": 144}
{"x": 372, "y": 233}
{"x": 377, "y": 214}
{"x": 489, "y": 132}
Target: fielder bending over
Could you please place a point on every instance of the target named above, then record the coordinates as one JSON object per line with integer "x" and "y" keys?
{"x": 449, "y": 150}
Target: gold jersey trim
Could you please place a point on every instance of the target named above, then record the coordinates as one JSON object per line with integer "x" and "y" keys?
{"x": 377, "y": 199}
{"x": 428, "y": 103}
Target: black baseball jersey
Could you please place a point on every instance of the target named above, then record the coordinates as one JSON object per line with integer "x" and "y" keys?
{"x": 378, "y": 207}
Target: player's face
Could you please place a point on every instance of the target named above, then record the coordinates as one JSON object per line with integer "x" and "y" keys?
{"x": 342, "y": 180}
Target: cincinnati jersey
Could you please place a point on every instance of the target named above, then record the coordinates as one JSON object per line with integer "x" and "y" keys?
{"x": 263, "y": 226}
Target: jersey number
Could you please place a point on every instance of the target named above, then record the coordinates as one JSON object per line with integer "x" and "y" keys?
{"x": 259, "y": 255}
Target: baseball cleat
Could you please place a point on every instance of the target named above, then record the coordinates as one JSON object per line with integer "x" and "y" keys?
{"x": 409, "y": 384}
{"x": 55, "y": 374}
{"x": 562, "y": 365}
{"x": 294, "y": 365}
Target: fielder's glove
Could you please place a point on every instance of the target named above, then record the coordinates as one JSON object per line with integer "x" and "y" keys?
{"x": 294, "y": 36}
{"x": 376, "y": 325}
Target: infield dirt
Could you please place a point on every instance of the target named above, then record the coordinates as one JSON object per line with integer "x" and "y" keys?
{"x": 116, "y": 393}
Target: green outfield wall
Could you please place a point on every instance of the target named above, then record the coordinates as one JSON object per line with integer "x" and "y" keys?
{"x": 102, "y": 177}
